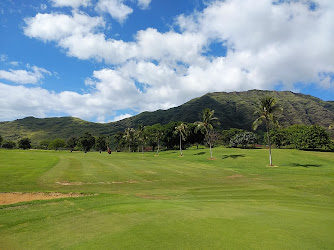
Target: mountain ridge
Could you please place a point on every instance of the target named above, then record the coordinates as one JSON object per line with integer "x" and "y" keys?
{"x": 234, "y": 110}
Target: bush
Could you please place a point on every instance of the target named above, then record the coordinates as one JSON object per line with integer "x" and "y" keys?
{"x": 8, "y": 144}
{"x": 243, "y": 139}
{"x": 25, "y": 143}
{"x": 57, "y": 143}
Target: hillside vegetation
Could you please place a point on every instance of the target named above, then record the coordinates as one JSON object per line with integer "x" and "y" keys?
{"x": 234, "y": 110}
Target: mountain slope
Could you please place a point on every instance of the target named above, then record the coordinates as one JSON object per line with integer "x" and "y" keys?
{"x": 234, "y": 110}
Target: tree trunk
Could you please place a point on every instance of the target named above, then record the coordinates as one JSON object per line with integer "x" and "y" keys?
{"x": 158, "y": 147}
{"x": 210, "y": 150}
{"x": 269, "y": 144}
{"x": 180, "y": 144}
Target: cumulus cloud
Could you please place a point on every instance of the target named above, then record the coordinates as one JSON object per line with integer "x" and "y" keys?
{"x": 23, "y": 76}
{"x": 121, "y": 117}
{"x": 54, "y": 27}
{"x": 70, "y": 3}
{"x": 116, "y": 8}
{"x": 267, "y": 44}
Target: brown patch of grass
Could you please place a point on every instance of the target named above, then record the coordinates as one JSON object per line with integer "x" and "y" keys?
{"x": 12, "y": 198}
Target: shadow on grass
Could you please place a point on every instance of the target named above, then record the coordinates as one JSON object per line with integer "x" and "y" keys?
{"x": 200, "y": 153}
{"x": 306, "y": 165}
{"x": 232, "y": 156}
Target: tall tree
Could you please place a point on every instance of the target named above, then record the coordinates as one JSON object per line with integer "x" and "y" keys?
{"x": 87, "y": 141}
{"x": 141, "y": 136}
{"x": 25, "y": 143}
{"x": 182, "y": 131}
{"x": 72, "y": 142}
{"x": 157, "y": 134}
{"x": 266, "y": 109}
{"x": 101, "y": 144}
{"x": 206, "y": 125}
{"x": 129, "y": 136}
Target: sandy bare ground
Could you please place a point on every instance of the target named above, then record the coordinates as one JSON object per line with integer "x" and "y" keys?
{"x": 11, "y": 198}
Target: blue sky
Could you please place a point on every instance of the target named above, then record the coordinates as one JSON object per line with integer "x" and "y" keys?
{"x": 104, "y": 60}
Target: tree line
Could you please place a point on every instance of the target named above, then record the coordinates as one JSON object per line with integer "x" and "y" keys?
{"x": 180, "y": 135}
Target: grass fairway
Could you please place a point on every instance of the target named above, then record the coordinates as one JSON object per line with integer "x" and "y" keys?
{"x": 170, "y": 202}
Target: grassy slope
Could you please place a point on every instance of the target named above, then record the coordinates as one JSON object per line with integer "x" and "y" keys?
{"x": 171, "y": 202}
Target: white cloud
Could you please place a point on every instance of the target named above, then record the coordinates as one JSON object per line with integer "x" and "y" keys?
{"x": 24, "y": 76}
{"x": 54, "y": 27}
{"x": 144, "y": 4}
{"x": 266, "y": 45}
{"x": 70, "y": 3}
{"x": 20, "y": 101}
{"x": 116, "y": 8}
{"x": 121, "y": 117}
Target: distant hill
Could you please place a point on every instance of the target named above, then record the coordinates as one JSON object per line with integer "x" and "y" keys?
{"x": 234, "y": 110}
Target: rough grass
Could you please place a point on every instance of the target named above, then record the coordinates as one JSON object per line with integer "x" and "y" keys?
{"x": 170, "y": 202}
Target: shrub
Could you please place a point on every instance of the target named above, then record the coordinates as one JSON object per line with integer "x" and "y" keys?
{"x": 25, "y": 143}
{"x": 8, "y": 144}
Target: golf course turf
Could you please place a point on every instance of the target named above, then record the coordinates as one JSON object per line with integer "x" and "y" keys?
{"x": 144, "y": 201}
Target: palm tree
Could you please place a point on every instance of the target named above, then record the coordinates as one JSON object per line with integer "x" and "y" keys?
{"x": 206, "y": 125}
{"x": 182, "y": 130}
{"x": 265, "y": 111}
{"x": 158, "y": 136}
{"x": 129, "y": 136}
{"x": 141, "y": 136}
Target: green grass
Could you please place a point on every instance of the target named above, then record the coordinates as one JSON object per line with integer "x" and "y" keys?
{"x": 170, "y": 202}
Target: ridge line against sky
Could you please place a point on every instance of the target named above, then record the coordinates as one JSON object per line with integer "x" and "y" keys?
{"x": 105, "y": 60}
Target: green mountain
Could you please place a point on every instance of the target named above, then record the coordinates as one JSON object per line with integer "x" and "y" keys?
{"x": 234, "y": 110}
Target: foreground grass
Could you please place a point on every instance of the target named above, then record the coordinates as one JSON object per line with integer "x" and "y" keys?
{"x": 167, "y": 201}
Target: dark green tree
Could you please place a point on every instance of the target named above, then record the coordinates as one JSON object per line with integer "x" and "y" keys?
{"x": 101, "y": 144}
{"x": 206, "y": 125}
{"x": 25, "y": 143}
{"x": 72, "y": 142}
{"x": 1, "y": 139}
{"x": 154, "y": 136}
{"x": 118, "y": 141}
{"x": 141, "y": 136}
{"x": 87, "y": 141}
{"x": 265, "y": 111}
{"x": 8, "y": 144}
{"x": 129, "y": 136}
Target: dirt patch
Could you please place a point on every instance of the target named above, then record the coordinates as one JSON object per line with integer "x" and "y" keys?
{"x": 212, "y": 159}
{"x": 12, "y": 198}
{"x": 234, "y": 176}
{"x": 272, "y": 166}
